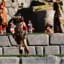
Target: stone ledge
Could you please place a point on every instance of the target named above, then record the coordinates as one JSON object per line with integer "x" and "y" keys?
{"x": 52, "y": 50}
{"x": 38, "y": 39}
{"x": 9, "y": 60}
{"x": 57, "y": 38}
{"x": 11, "y": 50}
{"x": 4, "y": 41}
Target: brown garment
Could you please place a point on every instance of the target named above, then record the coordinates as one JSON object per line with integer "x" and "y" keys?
{"x": 20, "y": 33}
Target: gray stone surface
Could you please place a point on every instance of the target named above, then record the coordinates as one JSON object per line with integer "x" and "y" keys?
{"x": 38, "y": 39}
{"x": 52, "y": 50}
{"x": 9, "y": 60}
{"x": 39, "y": 50}
{"x": 32, "y": 50}
{"x": 4, "y": 41}
{"x": 11, "y": 11}
{"x": 41, "y": 60}
{"x": 53, "y": 60}
{"x": 12, "y": 40}
{"x": 57, "y": 38}
{"x": 62, "y": 49}
{"x": 33, "y": 60}
{"x": 0, "y": 51}
{"x": 11, "y": 50}
{"x": 62, "y": 60}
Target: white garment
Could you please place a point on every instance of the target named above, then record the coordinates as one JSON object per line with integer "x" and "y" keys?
{"x": 50, "y": 16}
{"x": 12, "y": 30}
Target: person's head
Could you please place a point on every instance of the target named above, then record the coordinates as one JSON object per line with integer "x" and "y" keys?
{"x": 57, "y": 1}
{"x": 29, "y": 21}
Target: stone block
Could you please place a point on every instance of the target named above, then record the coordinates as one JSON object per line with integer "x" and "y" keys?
{"x": 9, "y": 60}
{"x": 38, "y": 39}
{"x": 52, "y": 50}
{"x": 0, "y": 51}
{"x": 53, "y": 60}
{"x": 62, "y": 60}
{"x": 57, "y": 38}
{"x": 32, "y": 50}
{"x": 62, "y": 49}
{"x": 33, "y": 60}
{"x": 12, "y": 40}
{"x": 11, "y": 50}
{"x": 4, "y": 41}
{"x": 39, "y": 50}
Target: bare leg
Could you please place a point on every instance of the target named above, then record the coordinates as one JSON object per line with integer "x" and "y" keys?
{"x": 21, "y": 45}
{"x": 25, "y": 43}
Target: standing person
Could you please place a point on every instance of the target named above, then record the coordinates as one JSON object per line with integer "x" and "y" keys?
{"x": 57, "y": 23}
{"x": 4, "y": 17}
{"x": 50, "y": 21}
{"x": 21, "y": 35}
{"x": 50, "y": 18}
{"x": 30, "y": 30}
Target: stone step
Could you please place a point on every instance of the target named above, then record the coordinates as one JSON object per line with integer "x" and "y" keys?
{"x": 62, "y": 60}
{"x": 11, "y": 50}
{"x": 1, "y": 51}
{"x": 12, "y": 40}
{"x": 32, "y": 60}
{"x": 32, "y": 50}
{"x": 62, "y": 49}
{"x": 52, "y": 50}
{"x": 4, "y": 41}
{"x": 9, "y": 60}
{"x": 38, "y": 39}
{"x": 39, "y": 50}
{"x": 57, "y": 38}
{"x": 40, "y": 60}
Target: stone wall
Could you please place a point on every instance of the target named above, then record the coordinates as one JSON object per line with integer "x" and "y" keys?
{"x": 39, "y": 44}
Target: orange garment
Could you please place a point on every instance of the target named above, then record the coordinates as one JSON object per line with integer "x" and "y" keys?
{"x": 4, "y": 14}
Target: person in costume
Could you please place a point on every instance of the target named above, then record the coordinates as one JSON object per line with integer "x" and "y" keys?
{"x": 58, "y": 13}
{"x": 21, "y": 32}
{"x": 4, "y": 18}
